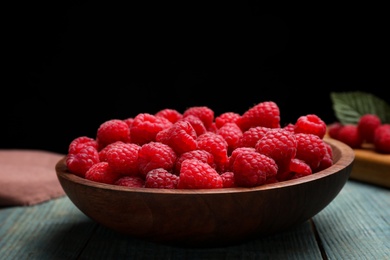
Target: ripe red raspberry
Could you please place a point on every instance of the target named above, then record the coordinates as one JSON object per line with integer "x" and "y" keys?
{"x": 310, "y": 124}
{"x": 232, "y": 135}
{"x": 217, "y": 146}
{"x": 290, "y": 127}
{"x": 349, "y": 134}
{"x": 333, "y": 130}
{"x": 111, "y": 131}
{"x": 155, "y": 155}
{"x": 181, "y": 137}
{"x": 161, "y": 178}
{"x": 77, "y": 144}
{"x": 129, "y": 121}
{"x": 122, "y": 157}
{"x": 200, "y": 155}
{"x": 196, "y": 123}
{"x": 204, "y": 113}
{"x": 130, "y": 181}
{"x": 280, "y": 145}
{"x": 310, "y": 148}
{"x": 252, "y": 168}
{"x": 382, "y": 139}
{"x": 252, "y": 135}
{"x": 101, "y": 172}
{"x": 265, "y": 114}
{"x": 367, "y": 125}
{"x": 79, "y": 163}
{"x": 227, "y": 117}
{"x": 327, "y": 161}
{"x": 236, "y": 152}
{"x": 195, "y": 174}
{"x": 228, "y": 180}
{"x": 171, "y": 114}
{"x": 146, "y": 126}
{"x": 299, "y": 168}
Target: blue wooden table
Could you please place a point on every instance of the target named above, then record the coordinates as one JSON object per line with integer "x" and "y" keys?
{"x": 355, "y": 225}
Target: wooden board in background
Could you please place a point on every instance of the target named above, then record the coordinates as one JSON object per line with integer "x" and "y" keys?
{"x": 371, "y": 167}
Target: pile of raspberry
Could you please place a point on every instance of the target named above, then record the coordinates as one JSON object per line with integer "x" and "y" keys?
{"x": 198, "y": 150}
{"x": 369, "y": 130}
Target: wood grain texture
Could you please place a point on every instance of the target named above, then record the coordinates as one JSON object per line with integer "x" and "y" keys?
{"x": 356, "y": 224}
{"x": 208, "y": 217}
{"x": 353, "y": 226}
{"x": 371, "y": 167}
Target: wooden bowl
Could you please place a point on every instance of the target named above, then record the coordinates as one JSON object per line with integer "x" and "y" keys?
{"x": 208, "y": 217}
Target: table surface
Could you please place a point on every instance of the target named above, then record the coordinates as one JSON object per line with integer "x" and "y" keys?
{"x": 355, "y": 225}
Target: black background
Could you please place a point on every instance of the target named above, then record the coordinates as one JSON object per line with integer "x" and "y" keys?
{"x": 75, "y": 65}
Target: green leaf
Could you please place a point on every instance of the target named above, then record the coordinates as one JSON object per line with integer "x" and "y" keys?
{"x": 350, "y": 106}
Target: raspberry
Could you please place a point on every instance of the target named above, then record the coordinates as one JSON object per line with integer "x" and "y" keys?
{"x": 217, "y": 146}
{"x": 252, "y": 135}
{"x": 161, "y": 178}
{"x": 227, "y": 117}
{"x": 111, "y": 131}
{"x": 204, "y": 113}
{"x": 146, "y": 126}
{"x": 280, "y": 145}
{"x": 130, "y": 181}
{"x": 367, "y": 125}
{"x": 129, "y": 121}
{"x": 236, "y": 152}
{"x": 200, "y": 155}
{"x": 232, "y": 135}
{"x": 181, "y": 137}
{"x": 195, "y": 174}
{"x": 101, "y": 172}
{"x": 252, "y": 168}
{"x": 155, "y": 155}
{"x": 299, "y": 168}
{"x": 349, "y": 134}
{"x": 310, "y": 124}
{"x": 382, "y": 139}
{"x": 265, "y": 114}
{"x": 79, "y": 163}
{"x": 196, "y": 123}
{"x": 122, "y": 157}
{"x": 290, "y": 127}
{"x": 228, "y": 180}
{"x": 171, "y": 114}
{"x": 333, "y": 130}
{"x": 310, "y": 148}
{"x": 327, "y": 161}
{"x": 79, "y": 143}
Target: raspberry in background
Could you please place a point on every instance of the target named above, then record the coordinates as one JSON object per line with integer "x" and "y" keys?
{"x": 333, "y": 129}
{"x": 367, "y": 125}
{"x": 204, "y": 113}
{"x": 382, "y": 139}
{"x": 349, "y": 134}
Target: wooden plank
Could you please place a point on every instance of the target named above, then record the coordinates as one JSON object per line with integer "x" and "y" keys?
{"x": 372, "y": 167}
{"x": 296, "y": 243}
{"x": 356, "y": 224}
{"x": 52, "y": 230}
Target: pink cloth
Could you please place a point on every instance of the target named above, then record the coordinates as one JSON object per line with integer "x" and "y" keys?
{"x": 28, "y": 177}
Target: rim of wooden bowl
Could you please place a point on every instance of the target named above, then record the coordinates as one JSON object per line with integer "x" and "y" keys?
{"x": 343, "y": 156}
